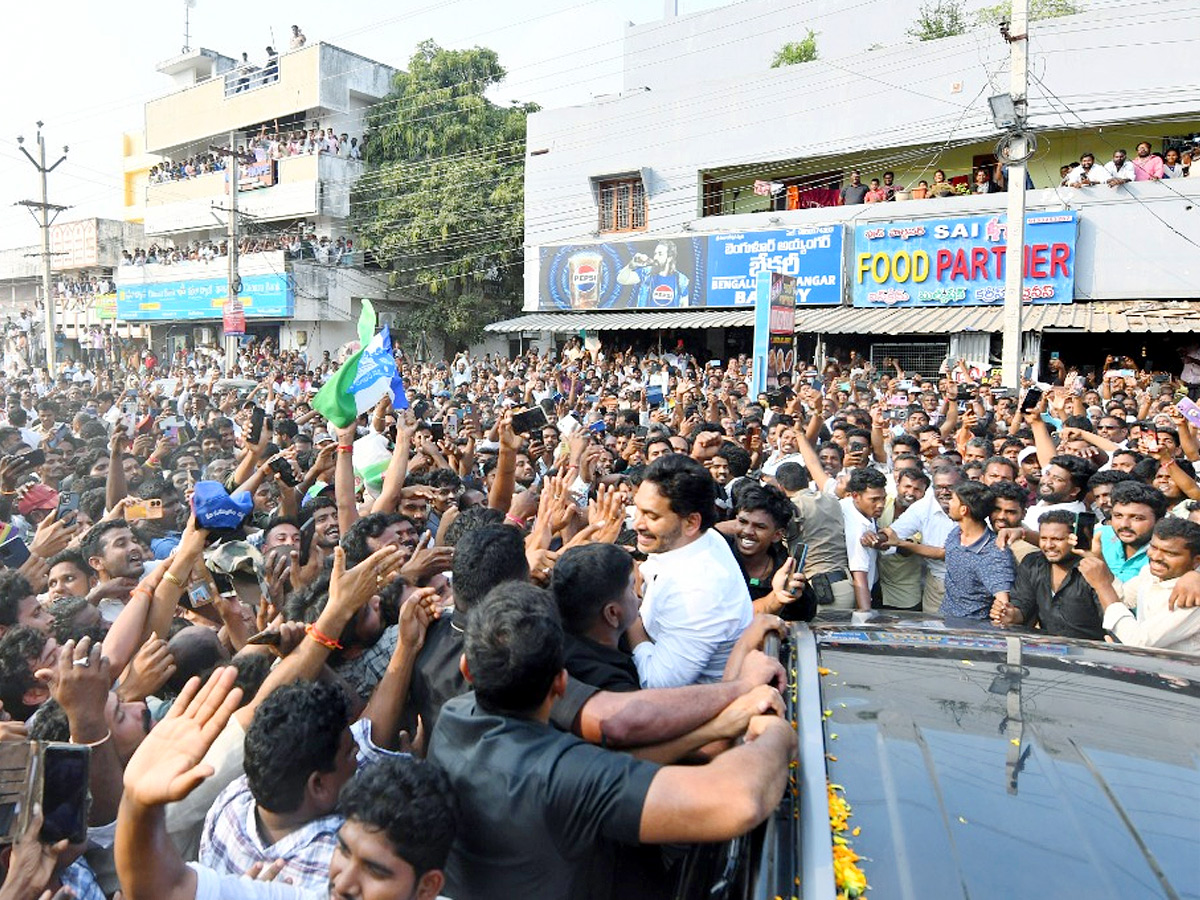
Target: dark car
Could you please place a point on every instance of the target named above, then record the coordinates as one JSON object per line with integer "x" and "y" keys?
{"x": 978, "y": 763}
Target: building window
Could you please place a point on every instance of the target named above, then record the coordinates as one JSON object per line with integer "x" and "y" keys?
{"x": 622, "y": 205}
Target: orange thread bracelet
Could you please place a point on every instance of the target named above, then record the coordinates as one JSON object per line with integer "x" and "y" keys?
{"x": 323, "y": 639}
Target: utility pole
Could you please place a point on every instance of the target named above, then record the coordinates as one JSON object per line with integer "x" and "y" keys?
{"x": 1017, "y": 35}
{"x": 46, "y": 221}
{"x": 234, "y": 283}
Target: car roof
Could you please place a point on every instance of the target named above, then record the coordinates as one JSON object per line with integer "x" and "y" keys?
{"x": 980, "y": 761}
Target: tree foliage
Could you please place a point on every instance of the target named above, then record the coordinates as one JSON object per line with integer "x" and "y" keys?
{"x": 939, "y": 19}
{"x": 441, "y": 205}
{"x": 1038, "y": 9}
{"x": 794, "y": 52}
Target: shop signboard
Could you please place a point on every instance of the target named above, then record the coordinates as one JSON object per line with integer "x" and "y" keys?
{"x": 812, "y": 256}
{"x": 961, "y": 262}
{"x": 774, "y": 329}
{"x": 262, "y": 297}
{"x": 691, "y": 271}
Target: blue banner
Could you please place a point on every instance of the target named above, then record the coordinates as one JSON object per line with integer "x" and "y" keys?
{"x": 662, "y": 273}
{"x": 813, "y": 256}
{"x": 960, "y": 262}
{"x": 689, "y": 271}
{"x": 262, "y": 296}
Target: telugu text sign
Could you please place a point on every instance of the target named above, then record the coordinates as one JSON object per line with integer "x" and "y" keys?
{"x": 961, "y": 262}
{"x": 262, "y": 296}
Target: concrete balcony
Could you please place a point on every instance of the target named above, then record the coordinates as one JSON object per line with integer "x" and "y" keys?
{"x": 319, "y": 77}
{"x": 304, "y": 186}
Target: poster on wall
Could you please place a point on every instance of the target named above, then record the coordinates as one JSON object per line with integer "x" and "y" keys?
{"x": 650, "y": 274}
{"x": 961, "y": 262}
{"x": 686, "y": 271}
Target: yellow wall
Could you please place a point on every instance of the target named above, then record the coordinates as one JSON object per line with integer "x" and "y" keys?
{"x": 197, "y": 113}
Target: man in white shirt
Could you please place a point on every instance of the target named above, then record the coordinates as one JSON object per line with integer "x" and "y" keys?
{"x": 1120, "y": 171}
{"x": 695, "y": 604}
{"x": 1137, "y": 612}
{"x": 866, "y": 493}
{"x": 929, "y": 517}
{"x": 1086, "y": 174}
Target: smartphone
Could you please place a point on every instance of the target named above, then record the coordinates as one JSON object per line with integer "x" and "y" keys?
{"x": 1085, "y": 527}
{"x": 654, "y": 395}
{"x": 530, "y": 420}
{"x": 283, "y": 468}
{"x": 1190, "y": 410}
{"x": 32, "y": 459}
{"x": 967, "y": 392}
{"x": 65, "y": 793}
{"x": 59, "y": 433}
{"x": 800, "y": 554}
{"x": 1033, "y": 397}
{"x": 438, "y": 430}
{"x": 451, "y": 425}
{"x": 1054, "y": 355}
{"x": 68, "y": 506}
{"x": 14, "y": 553}
{"x": 257, "y": 418}
{"x": 150, "y": 508}
{"x": 130, "y": 409}
{"x": 597, "y": 427}
{"x": 268, "y": 638}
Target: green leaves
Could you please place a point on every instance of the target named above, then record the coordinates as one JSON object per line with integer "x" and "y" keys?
{"x": 441, "y": 205}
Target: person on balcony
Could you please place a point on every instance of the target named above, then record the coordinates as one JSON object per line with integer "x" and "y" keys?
{"x": 1120, "y": 171}
{"x": 1086, "y": 174}
{"x": 1147, "y": 166}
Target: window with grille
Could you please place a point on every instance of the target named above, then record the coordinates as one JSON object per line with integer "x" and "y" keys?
{"x": 622, "y": 205}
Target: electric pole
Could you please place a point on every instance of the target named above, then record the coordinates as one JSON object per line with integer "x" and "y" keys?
{"x": 234, "y": 284}
{"x": 1017, "y": 35}
{"x": 46, "y": 208}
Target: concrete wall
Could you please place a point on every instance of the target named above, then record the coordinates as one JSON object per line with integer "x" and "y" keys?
{"x": 316, "y": 77}
{"x": 721, "y": 108}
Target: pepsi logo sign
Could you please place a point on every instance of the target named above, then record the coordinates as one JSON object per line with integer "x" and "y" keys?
{"x": 663, "y": 295}
{"x": 586, "y": 277}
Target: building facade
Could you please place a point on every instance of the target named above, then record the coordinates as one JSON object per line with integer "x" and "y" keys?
{"x": 302, "y": 278}
{"x": 651, "y": 211}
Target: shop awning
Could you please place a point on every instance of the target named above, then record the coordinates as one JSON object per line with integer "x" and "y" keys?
{"x": 1101, "y": 317}
{"x": 621, "y": 320}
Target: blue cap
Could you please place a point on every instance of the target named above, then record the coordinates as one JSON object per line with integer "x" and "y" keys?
{"x": 216, "y": 509}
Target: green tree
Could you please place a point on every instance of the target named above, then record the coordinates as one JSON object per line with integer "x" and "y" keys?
{"x": 939, "y": 19}
{"x": 794, "y": 52}
{"x": 1038, "y": 9}
{"x": 441, "y": 204}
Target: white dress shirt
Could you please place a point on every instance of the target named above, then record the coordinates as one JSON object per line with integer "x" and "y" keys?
{"x": 695, "y": 607}
{"x": 1154, "y": 624}
{"x": 927, "y": 518}
{"x": 1125, "y": 170}
{"x": 862, "y": 559}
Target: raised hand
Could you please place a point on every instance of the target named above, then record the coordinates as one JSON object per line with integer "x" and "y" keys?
{"x": 167, "y": 766}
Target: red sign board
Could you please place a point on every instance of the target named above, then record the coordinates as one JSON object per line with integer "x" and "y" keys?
{"x": 233, "y": 315}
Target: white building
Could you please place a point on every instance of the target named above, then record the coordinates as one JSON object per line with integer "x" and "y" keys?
{"x": 303, "y": 303}
{"x": 675, "y": 158}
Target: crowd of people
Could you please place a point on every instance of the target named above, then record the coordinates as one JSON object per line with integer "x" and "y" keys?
{"x": 506, "y": 639}
{"x": 1145, "y": 165}
{"x": 260, "y": 149}
{"x": 297, "y": 244}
